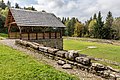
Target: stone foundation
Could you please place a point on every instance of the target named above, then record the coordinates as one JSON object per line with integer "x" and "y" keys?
{"x": 54, "y": 43}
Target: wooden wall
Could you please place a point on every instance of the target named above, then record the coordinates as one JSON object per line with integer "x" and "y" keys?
{"x": 34, "y": 36}
{"x": 14, "y": 35}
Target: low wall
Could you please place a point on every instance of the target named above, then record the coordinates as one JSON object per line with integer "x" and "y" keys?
{"x": 54, "y": 43}
{"x": 72, "y": 58}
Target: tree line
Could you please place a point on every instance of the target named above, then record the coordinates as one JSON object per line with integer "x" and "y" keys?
{"x": 95, "y": 27}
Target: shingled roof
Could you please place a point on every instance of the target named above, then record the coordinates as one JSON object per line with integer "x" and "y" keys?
{"x": 35, "y": 18}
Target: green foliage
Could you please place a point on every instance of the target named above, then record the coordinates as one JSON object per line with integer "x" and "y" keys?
{"x": 63, "y": 20}
{"x": 70, "y": 26}
{"x": 107, "y": 30}
{"x": 2, "y": 4}
{"x": 8, "y": 4}
{"x": 78, "y": 29}
{"x": 4, "y": 12}
{"x": 15, "y": 65}
{"x": 85, "y": 28}
{"x": 95, "y": 16}
{"x": 17, "y": 5}
{"x": 3, "y": 35}
{"x": 91, "y": 27}
{"x": 99, "y": 27}
{"x": 30, "y": 8}
{"x": 116, "y": 27}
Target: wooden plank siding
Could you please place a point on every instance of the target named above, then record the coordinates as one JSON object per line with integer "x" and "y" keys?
{"x": 34, "y": 36}
{"x": 24, "y": 36}
{"x": 14, "y": 35}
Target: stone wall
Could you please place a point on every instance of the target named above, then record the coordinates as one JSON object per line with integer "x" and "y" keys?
{"x": 54, "y": 43}
{"x": 71, "y": 59}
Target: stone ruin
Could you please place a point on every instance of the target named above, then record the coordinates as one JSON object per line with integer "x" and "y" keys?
{"x": 70, "y": 59}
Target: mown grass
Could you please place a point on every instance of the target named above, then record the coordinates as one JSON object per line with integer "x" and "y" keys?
{"x": 3, "y": 35}
{"x": 15, "y": 65}
{"x": 105, "y": 51}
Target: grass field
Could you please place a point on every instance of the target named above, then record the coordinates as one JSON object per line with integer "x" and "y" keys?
{"x": 105, "y": 51}
{"x": 15, "y": 65}
{"x": 3, "y": 35}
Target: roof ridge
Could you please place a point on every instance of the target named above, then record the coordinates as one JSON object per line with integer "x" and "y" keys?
{"x": 29, "y": 10}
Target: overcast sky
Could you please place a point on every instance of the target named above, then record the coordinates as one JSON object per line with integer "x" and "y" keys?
{"x": 82, "y": 9}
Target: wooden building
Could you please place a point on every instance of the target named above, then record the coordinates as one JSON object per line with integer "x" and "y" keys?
{"x": 35, "y": 26}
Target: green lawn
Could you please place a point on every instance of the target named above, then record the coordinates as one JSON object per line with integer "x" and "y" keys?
{"x": 15, "y": 65}
{"x": 106, "y": 51}
{"x": 3, "y": 35}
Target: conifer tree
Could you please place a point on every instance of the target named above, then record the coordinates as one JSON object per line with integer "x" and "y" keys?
{"x": 9, "y": 4}
{"x": 107, "y": 31}
{"x": 99, "y": 26}
{"x": 17, "y": 5}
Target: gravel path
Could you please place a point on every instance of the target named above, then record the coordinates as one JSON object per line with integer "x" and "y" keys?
{"x": 79, "y": 73}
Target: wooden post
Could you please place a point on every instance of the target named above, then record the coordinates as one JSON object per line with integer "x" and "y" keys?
{"x": 43, "y": 33}
{"x": 49, "y": 35}
{"x": 55, "y": 35}
{"x": 20, "y": 32}
{"x": 36, "y": 36}
{"x": 60, "y": 33}
{"x": 9, "y": 30}
{"x": 28, "y": 36}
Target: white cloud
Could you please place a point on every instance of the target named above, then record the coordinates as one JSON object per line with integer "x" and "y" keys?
{"x": 83, "y": 9}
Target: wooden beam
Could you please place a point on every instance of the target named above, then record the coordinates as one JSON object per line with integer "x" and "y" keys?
{"x": 9, "y": 31}
{"x": 60, "y": 33}
{"x": 36, "y": 36}
{"x": 55, "y": 35}
{"x": 20, "y": 32}
{"x": 50, "y": 35}
{"x": 28, "y": 36}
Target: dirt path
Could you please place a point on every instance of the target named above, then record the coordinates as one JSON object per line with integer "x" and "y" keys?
{"x": 81, "y": 74}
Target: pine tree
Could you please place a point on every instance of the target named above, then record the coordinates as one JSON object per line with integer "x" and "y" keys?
{"x": 9, "y": 4}
{"x": 2, "y": 1}
{"x": 99, "y": 27}
{"x": 2, "y": 4}
{"x": 95, "y": 16}
{"x": 108, "y": 32}
{"x": 116, "y": 28}
{"x": 17, "y": 5}
{"x": 63, "y": 20}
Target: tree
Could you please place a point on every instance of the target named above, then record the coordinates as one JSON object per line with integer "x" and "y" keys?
{"x": 2, "y": 18}
{"x": 9, "y": 4}
{"x": 78, "y": 29}
{"x": 31, "y": 8}
{"x": 70, "y": 25}
{"x": 4, "y": 12}
{"x": 107, "y": 29}
{"x": 95, "y": 16}
{"x": 91, "y": 27}
{"x": 2, "y": 1}
{"x": 66, "y": 24}
{"x": 86, "y": 27}
{"x": 116, "y": 28}
{"x": 17, "y": 5}
{"x": 99, "y": 27}
{"x": 2, "y": 4}
{"x": 63, "y": 20}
